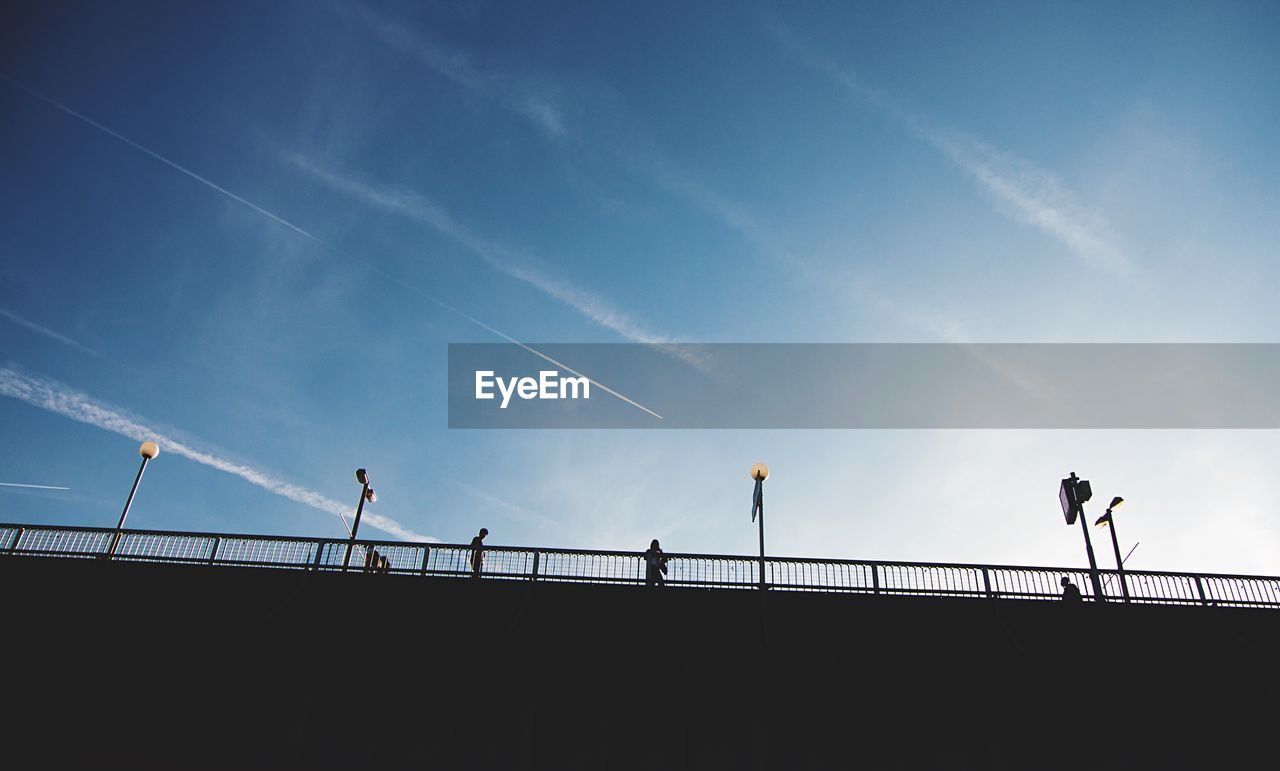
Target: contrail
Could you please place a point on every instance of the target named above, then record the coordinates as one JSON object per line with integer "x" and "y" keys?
{"x": 55, "y": 397}
{"x": 301, "y": 231}
{"x": 545, "y": 357}
{"x": 49, "y": 333}
{"x": 175, "y": 166}
{"x": 36, "y": 487}
{"x": 509, "y": 338}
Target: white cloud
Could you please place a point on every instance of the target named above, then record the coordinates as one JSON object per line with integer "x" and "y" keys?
{"x": 1034, "y": 197}
{"x": 48, "y": 394}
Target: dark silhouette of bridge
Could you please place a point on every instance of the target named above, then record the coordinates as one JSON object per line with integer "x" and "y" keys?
{"x": 237, "y": 651}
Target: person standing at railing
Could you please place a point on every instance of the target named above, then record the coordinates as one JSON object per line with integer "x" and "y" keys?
{"x": 477, "y": 552}
{"x": 1070, "y": 592}
{"x": 655, "y": 565}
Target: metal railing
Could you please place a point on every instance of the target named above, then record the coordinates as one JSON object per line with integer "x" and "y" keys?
{"x": 707, "y": 571}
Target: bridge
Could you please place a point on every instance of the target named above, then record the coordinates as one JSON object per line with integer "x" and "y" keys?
{"x": 205, "y": 650}
{"x": 706, "y": 571}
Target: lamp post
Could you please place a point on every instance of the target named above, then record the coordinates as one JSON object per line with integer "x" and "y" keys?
{"x": 1108, "y": 519}
{"x": 148, "y": 450}
{"x": 1073, "y": 493}
{"x": 366, "y": 494}
{"x": 760, "y": 472}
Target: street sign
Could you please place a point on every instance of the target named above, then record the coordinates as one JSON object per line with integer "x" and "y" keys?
{"x": 1072, "y": 493}
{"x": 1067, "y": 499}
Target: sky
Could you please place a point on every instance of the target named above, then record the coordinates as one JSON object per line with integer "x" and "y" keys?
{"x": 250, "y": 231}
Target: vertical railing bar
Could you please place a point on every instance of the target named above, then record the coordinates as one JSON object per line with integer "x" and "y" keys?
{"x": 1251, "y": 589}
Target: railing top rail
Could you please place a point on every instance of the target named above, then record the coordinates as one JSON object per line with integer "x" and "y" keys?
{"x": 632, "y": 554}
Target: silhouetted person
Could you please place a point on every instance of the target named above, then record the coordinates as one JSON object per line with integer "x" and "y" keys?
{"x": 477, "y": 552}
{"x": 655, "y": 565}
{"x": 1070, "y": 592}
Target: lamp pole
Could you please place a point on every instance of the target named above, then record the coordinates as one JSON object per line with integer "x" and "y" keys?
{"x": 1093, "y": 562}
{"x": 148, "y": 450}
{"x": 366, "y": 494}
{"x": 760, "y": 472}
{"x": 1109, "y": 519}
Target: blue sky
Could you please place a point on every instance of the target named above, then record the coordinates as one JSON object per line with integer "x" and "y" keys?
{"x": 251, "y": 273}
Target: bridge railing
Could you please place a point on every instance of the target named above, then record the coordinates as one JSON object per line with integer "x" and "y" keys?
{"x": 708, "y": 571}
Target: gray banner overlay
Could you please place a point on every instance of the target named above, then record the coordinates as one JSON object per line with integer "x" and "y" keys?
{"x": 854, "y": 385}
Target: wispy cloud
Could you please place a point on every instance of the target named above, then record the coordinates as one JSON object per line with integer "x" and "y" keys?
{"x": 624, "y": 139}
{"x": 518, "y": 95}
{"x": 1034, "y": 197}
{"x": 517, "y": 264}
{"x": 58, "y": 398}
{"x": 309, "y": 235}
{"x": 1025, "y": 192}
{"x": 521, "y": 97}
{"x": 46, "y": 332}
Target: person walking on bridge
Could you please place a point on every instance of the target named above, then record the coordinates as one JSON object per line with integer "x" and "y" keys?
{"x": 655, "y": 565}
{"x": 477, "y": 552}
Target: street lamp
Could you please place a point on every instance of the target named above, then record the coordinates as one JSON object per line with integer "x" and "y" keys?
{"x": 1108, "y": 519}
{"x": 148, "y": 450}
{"x": 759, "y": 472}
{"x": 366, "y": 494}
{"x": 1073, "y": 493}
